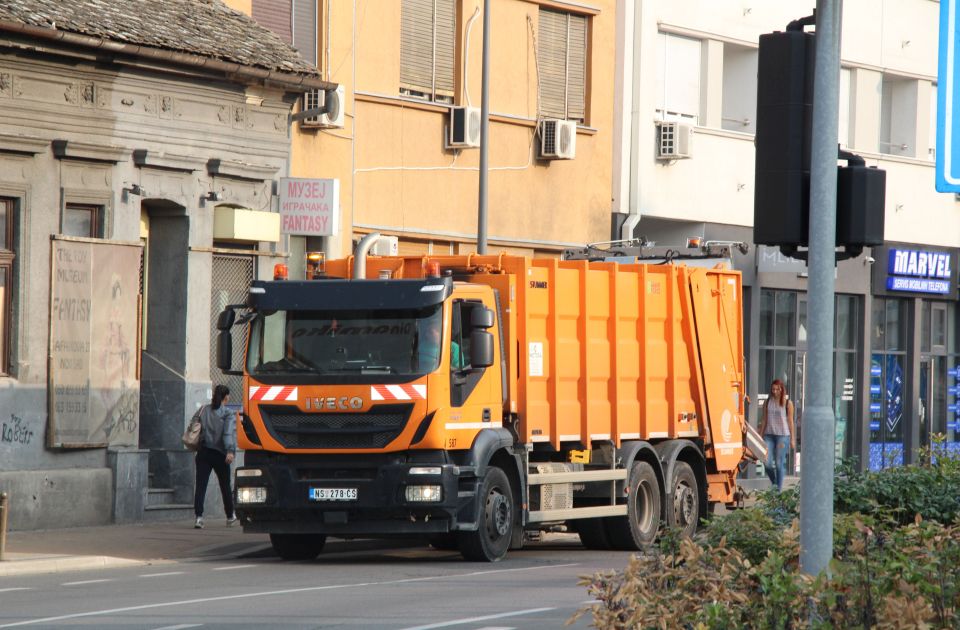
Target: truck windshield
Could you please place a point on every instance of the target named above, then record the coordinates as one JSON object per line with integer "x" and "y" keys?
{"x": 342, "y": 343}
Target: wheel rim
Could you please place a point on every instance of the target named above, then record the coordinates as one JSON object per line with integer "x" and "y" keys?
{"x": 498, "y": 514}
{"x": 644, "y": 500}
{"x": 684, "y": 504}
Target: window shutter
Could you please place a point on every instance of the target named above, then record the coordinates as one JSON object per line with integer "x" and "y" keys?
{"x": 446, "y": 46}
{"x": 275, "y": 15}
{"x": 305, "y": 28}
{"x": 416, "y": 45}
{"x": 577, "y": 68}
{"x": 552, "y": 58}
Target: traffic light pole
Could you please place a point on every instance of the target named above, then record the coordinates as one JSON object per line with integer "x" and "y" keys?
{"x": 816, "y": 488}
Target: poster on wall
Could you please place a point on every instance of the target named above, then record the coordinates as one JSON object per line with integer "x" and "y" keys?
{"x": 92, "y": 387}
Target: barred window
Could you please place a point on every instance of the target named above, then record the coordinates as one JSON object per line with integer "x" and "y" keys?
{"x": 7, "y": 256}
{"x": 562, "y": 58}
{"x": 427, "y": 49}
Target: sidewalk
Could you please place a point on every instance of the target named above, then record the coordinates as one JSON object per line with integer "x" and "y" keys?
{"x": 83, "y": 548}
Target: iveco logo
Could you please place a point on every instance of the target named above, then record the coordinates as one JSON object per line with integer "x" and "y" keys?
{"x": 333, "y": 403}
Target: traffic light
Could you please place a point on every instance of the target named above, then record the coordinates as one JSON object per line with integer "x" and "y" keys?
{"x": 784, "y": 113}
{"x": 781, "y": 208}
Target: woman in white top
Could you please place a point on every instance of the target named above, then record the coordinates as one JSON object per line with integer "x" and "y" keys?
{"x": 777, "y": 430}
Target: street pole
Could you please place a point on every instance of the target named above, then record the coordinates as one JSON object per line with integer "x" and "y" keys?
{"x": 816, "y": 487}
{"x": 484, "y": 133}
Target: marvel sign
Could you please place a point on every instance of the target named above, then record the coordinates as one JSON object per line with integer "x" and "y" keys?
{"x": 309, "y": 207}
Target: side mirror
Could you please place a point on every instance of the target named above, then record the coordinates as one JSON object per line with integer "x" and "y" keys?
{"x": 481, "y": 349}
{"x": 224, "y": 348}
{"x": 481, "y": 318}
{"x": 226, "y": 319}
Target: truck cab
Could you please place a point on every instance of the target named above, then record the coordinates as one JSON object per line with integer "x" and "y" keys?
{"x": 364, "y": 403}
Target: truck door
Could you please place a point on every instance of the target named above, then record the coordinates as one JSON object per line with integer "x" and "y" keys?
{"x": 469, "y": 383}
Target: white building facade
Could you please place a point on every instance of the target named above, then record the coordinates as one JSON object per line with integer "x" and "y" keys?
{"x": 694, "y": 62}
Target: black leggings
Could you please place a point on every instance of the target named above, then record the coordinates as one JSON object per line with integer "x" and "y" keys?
{"x": 211, "y": 459}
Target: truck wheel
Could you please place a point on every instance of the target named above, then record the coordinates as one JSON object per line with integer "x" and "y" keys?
{"x": 639, "y": 527}
{"x": 683, "y": 507}
{"x": 593, "y": 533}
{"x": 297, "y": 546}
{"x": 492, "y": 539}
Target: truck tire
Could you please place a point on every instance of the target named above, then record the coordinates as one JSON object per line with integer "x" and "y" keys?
{"x": 298, "y": 546}
{"x": 444, "y": 542}
{"x": 593, "y": 533}
{"x": 683, "y": 500}
{"x": 639, "y": 528}
{"x": 491, "y": 540}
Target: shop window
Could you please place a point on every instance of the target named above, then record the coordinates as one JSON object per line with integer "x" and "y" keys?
{"x": 427, "y": 49}
{"x": 678, "y": 78}
{"x": 562, "y": 60}
{"x": 887, "y": 382}
{"x": 82, "y": 220}
{"x": 7, "y": 256}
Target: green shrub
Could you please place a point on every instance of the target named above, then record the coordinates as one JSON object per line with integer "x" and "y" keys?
{"x": 896, "y": 562}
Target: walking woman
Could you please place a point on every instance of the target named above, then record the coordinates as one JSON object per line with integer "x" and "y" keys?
{"x": 778, "y": 431}
{"x": 217, "y": 449}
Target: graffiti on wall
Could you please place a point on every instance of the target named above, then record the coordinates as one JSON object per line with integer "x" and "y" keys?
{"x": 93, "y": 386}
{"x": 16, "y": 432}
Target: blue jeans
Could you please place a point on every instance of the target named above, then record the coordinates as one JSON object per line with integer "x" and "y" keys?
{"x": 776, "y": 463}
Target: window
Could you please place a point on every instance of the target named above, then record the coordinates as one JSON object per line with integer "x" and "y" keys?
{"x": 427, "y": 49}
{"x": 7, "y": 256}
{"x": 932, "y": 130}
{"x": 562, "y": 61}
{"x": 678, "y": 78}
{"x": 739, "y": 89}
{"x": 898, "y": 116}
{"x": 275, "y": 15}
{"x": 305, "y": 28}
{"x": 81, "y": 220}
{"x": 843, "y": 126}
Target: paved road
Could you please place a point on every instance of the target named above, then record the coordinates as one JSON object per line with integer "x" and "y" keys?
{"x": 356, "y": 586}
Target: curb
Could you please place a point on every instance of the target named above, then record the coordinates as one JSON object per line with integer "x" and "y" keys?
{"x": 62, "y": 564}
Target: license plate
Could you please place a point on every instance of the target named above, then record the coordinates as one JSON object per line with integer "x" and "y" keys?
{"x": 333, "y": 494}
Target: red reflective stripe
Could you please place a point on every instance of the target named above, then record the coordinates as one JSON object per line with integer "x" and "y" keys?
{"x": 383, "y": 391}
{"x": 411, "y": 391}
{"x": 285, "y": 393}
{"x": 260, "y": 393}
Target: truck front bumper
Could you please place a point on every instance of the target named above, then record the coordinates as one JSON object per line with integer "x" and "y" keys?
{"x": 347, "y": 499}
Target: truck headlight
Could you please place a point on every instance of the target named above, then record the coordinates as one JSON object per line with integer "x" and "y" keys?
{"x": 424, "y": 493}
{"x": 252, "y": 495}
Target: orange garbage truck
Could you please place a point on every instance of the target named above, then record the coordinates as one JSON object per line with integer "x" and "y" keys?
{"x": 469, "y": 399}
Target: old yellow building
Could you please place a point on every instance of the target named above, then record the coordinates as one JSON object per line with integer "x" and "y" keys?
{"x": 403, "y": 64}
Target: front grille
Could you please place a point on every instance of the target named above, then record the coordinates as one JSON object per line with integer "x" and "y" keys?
{"x": 376, "y": 428}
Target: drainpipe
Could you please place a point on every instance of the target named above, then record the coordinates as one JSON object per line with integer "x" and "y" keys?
{"x": 360, "y": 256}
{"x": 639, "y": 37}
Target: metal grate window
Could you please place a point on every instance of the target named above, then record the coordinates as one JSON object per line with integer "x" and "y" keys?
{"x": 428, "y": 49}
{"x": 562, "y": 59}
{"x": 231, "y": 280}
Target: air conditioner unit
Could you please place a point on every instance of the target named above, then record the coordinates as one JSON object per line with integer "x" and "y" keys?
{"x": 385, "y": 246}
{"x": 330, "y": 100}
{"x": 674, "y": 140}
{"x": 558, "y": 139}
{"x": 463, "y": 130}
